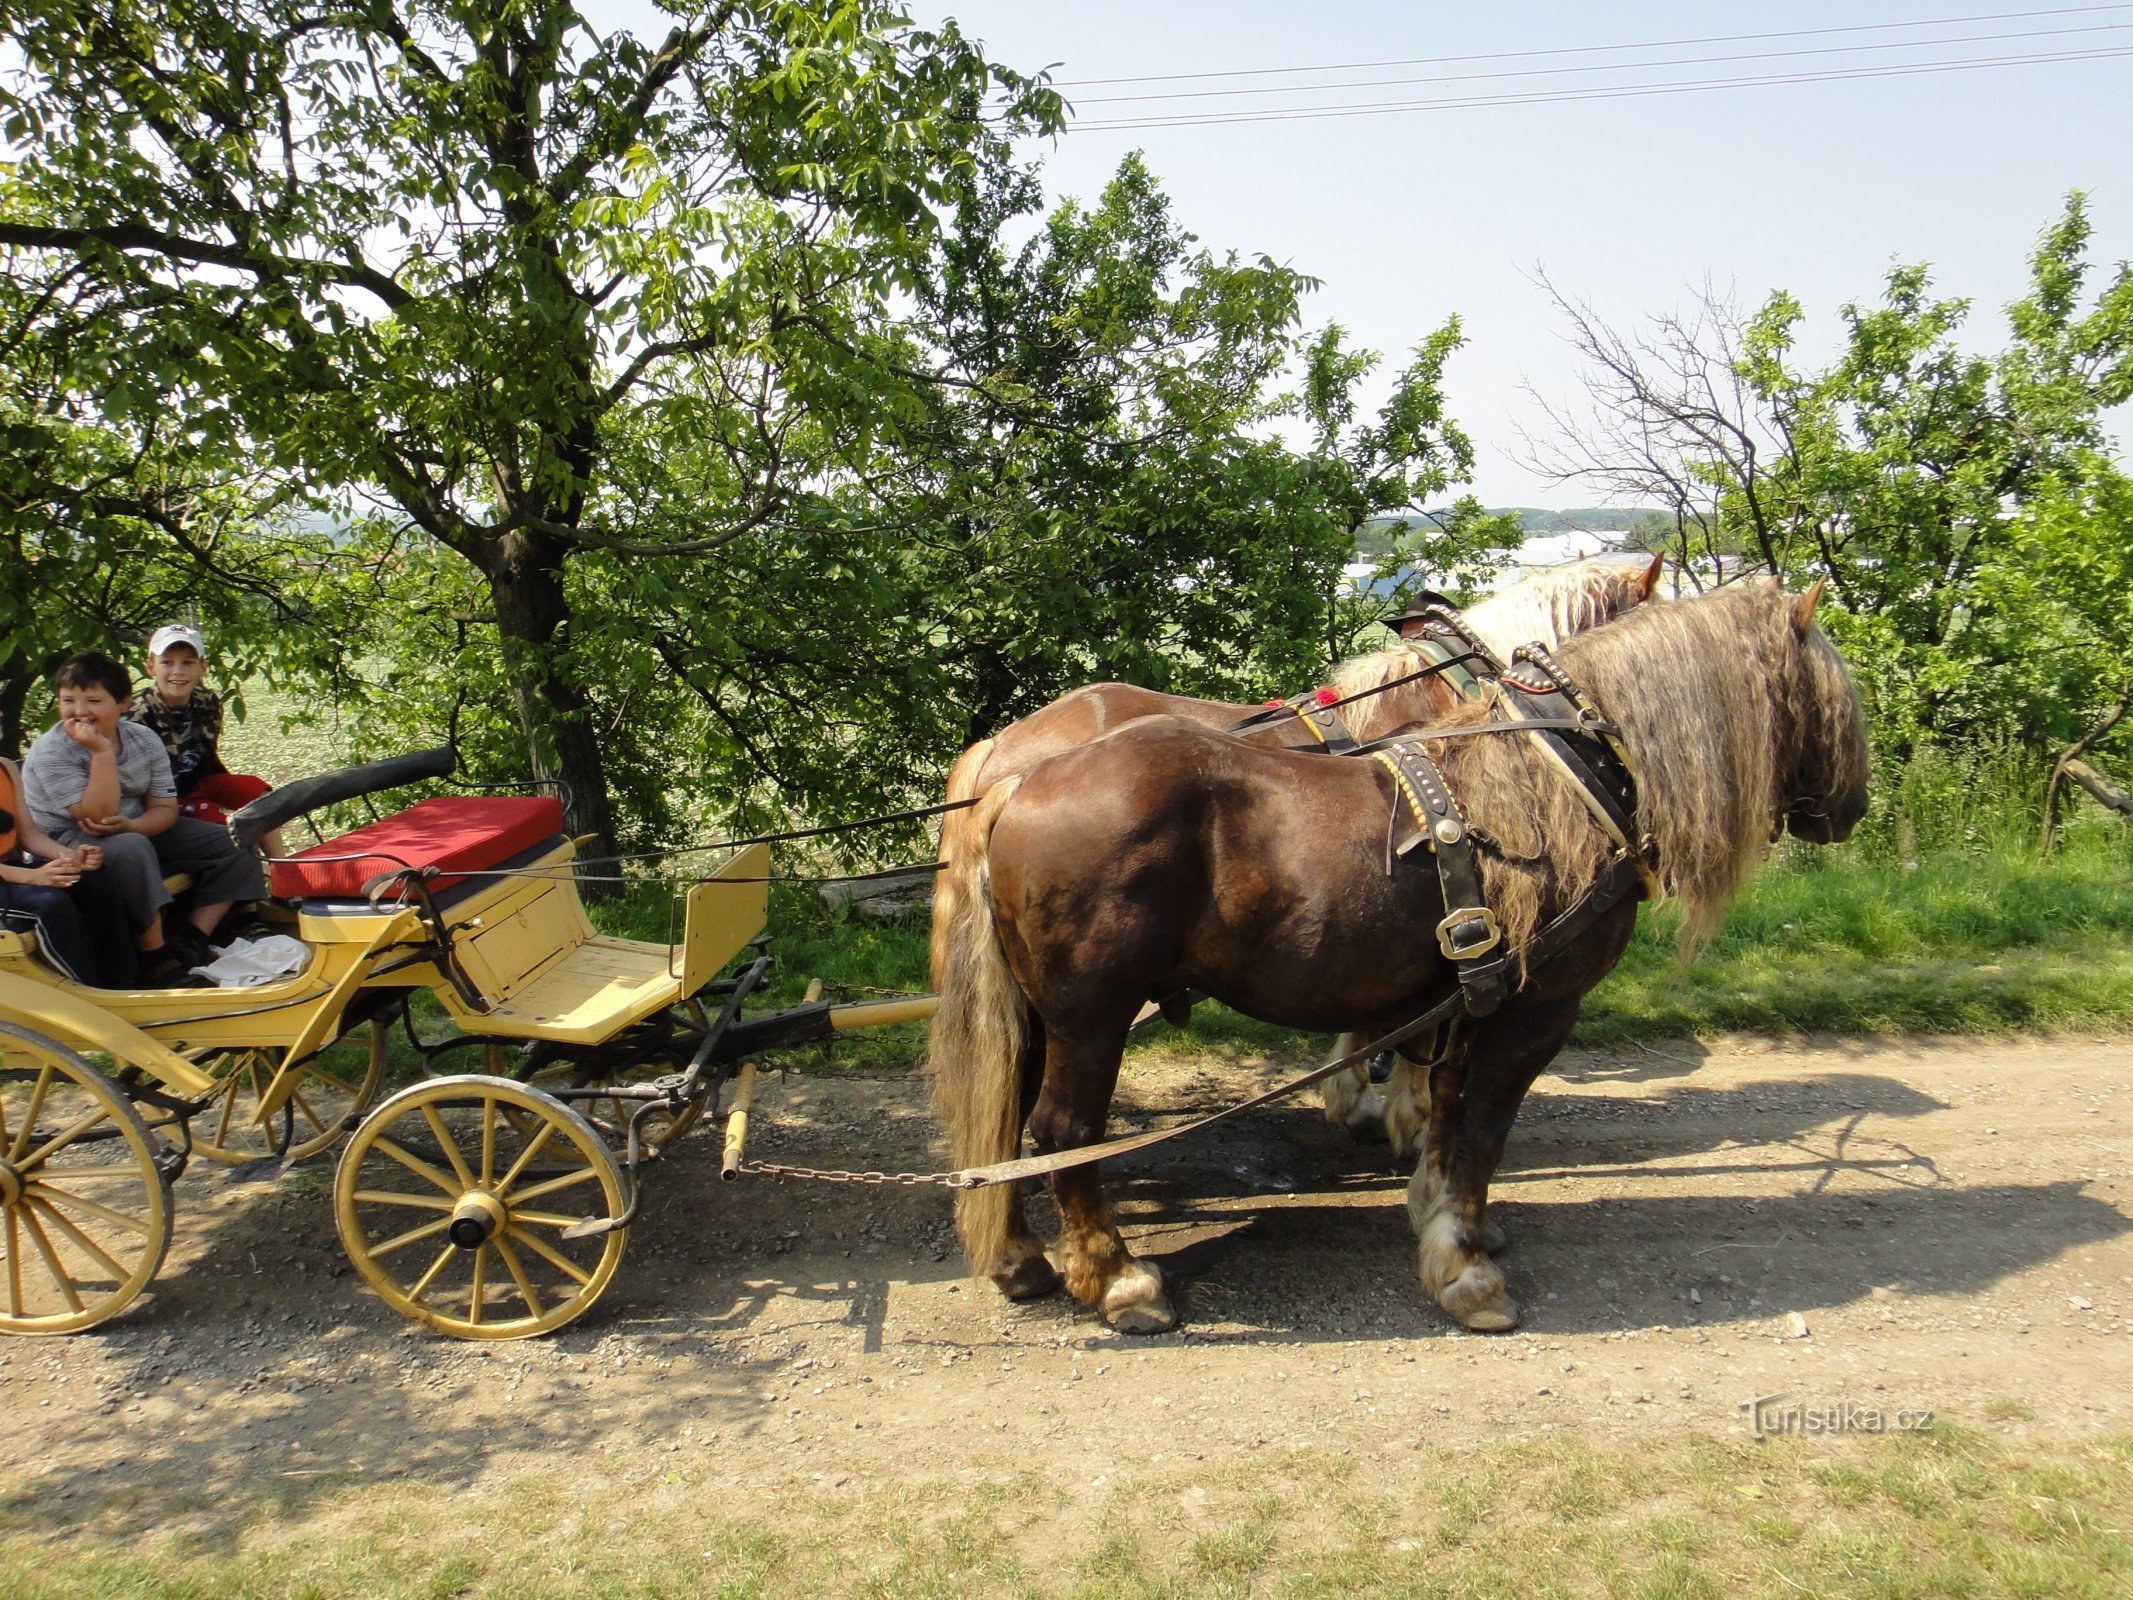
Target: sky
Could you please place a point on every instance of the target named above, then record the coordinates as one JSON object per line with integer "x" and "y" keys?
{"x": 1630, "y": 203}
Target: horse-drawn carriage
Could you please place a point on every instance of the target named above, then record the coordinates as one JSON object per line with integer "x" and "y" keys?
{"x": 493, "y": 1204}
{"x": 1465, "y": 881}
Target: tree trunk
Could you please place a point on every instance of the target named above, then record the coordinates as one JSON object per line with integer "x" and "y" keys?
{"x": 526, "y": 580}
{"x": 2101, "y": 789}
{"x": 14, "y": 694}
{"x": 2048, "y": 835}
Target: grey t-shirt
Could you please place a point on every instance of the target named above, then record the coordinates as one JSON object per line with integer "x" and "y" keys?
{"x": 55, "y": 774}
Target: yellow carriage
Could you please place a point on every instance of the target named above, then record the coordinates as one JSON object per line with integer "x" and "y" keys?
{"x": 491, "y": 1204}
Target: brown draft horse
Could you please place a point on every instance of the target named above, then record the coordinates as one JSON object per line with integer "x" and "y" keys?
{"x": 1167, "y": 854}
{"x": 1548, "y": 607}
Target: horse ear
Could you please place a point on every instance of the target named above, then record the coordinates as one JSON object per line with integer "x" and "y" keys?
{"x": 1803, "y": 609}
{"x": 1650, "y": 584}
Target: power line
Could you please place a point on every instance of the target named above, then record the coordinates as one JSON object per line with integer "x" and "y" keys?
{"x": 1560, "y": 96}
{"x": 1601, "y": 49}
{"x": 1610, "y": 66}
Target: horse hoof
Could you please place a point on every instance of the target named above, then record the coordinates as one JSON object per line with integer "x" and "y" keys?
{"x": 1031, "y": 1278}
{"x": 1477, "y": 1297}
{"x": 1366, "y": 1118}
{"x": 1135, "y": 1302}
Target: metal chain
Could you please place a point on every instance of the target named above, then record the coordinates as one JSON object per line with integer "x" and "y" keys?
{"x": 772, "y": 1169}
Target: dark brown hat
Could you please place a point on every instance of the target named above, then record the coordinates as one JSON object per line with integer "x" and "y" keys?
{"x": 1421, "y": 606}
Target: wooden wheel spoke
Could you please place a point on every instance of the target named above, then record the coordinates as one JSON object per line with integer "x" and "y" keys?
{"x": 393, "y": 1197}
{"x": 419, "y": 1167}
{"x": 400, "y": 1241}
{"x": 48, "y": 1191}
{"x": 82, "y": 1241}
{"x": 544, "y": 1219}
{"x": 14, "y": 1266}
{"x": 449, "y": 1145}
{"x": 421, "y": 1286}
{"x": 549, "y": 1186}
{"x": 29, "y": 1116}
{"x": 480, "y": 1282}
{"x": 296, "y": 1099}
{"x": 517, "y": 1269}
{"x": 550, "y": 1254}
{"x": 51, "y": 1262}
{"x": 488, "y": 1140}
{"x": 59, "y": 1141}
{"x": 534, "y": 1146}
{"x": 228, "y": 1111}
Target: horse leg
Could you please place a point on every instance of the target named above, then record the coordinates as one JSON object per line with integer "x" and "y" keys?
{"x": 1410, "y": 1097}
{"x": 1474, "y": 1096}
{"x": 1350, "y": 1100}
{"x": 1406, "y": 1117}
{"x": 1023, "y": 1271}
{"x": 1071, "y": 1111}
{"x": 1440, "y": 1126}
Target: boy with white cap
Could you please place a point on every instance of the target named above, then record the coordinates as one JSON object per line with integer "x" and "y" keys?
{"x": 180, "y": 709}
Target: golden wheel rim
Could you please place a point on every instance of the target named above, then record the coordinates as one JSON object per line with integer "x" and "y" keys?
{"x": 454, "y": 1198}
{"x": 84, "y": 1210}
{"x": 334, "y": 1088}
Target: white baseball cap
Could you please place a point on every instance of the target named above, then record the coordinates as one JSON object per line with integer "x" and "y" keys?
{"x": 177, "y": 633}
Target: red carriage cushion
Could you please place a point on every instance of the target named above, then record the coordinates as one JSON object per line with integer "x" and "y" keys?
{"x": 453, "y": 833}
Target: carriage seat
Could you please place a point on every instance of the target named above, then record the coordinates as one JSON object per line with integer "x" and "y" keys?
{"x": 454, "y": 833}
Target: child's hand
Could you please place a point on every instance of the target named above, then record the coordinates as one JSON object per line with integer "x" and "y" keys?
{"x": 104, "y": 827}
{"x": 83, "y": 731}
{"x": 55, "y": 875}
{"x": 86, "y": 857}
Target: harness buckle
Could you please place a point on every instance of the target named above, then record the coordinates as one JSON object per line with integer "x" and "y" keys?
{"x": 1456, "y": 936}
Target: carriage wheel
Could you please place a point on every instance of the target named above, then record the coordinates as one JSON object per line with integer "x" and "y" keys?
{"x": 86, "y": 1214}
{"x": 454, "y": 1199}
{"x": 334, "y": 1088}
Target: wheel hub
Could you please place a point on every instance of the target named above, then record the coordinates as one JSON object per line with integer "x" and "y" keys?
{"x": 477, "y": 1218}
{"x": 10, "y": 1186}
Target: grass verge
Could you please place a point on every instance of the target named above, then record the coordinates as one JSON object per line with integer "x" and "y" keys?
{"x": 1824, "y": 941}
{"x": 1948, "y": 1512}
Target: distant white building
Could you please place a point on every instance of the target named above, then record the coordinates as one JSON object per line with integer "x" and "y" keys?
{"x": 1538, "y": 552}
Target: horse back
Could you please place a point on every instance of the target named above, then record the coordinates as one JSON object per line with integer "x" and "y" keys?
{"x": 1167, "y": 853}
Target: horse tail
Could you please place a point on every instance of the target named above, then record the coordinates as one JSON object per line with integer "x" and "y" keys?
{"x": 949, "y": 887}
{"x": 979, "y": 1033}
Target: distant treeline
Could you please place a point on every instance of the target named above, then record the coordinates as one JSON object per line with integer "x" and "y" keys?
{"x": 1631, "y": 527}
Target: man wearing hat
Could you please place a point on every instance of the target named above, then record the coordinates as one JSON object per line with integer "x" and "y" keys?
{"x": 179, "y": 707}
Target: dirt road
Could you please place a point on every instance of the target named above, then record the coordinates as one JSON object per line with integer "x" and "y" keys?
{"x": 1943, "y": 1226}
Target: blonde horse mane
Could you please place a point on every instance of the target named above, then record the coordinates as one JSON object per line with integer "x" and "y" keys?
{"x": 1713, "y": 697}
{"x": 1549, "y": 607}
{"x": 1557, "y": 602}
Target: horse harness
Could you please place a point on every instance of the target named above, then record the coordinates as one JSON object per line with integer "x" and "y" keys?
{"x": 1533, "y": 696}
{"x": 1445, "y": 647}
